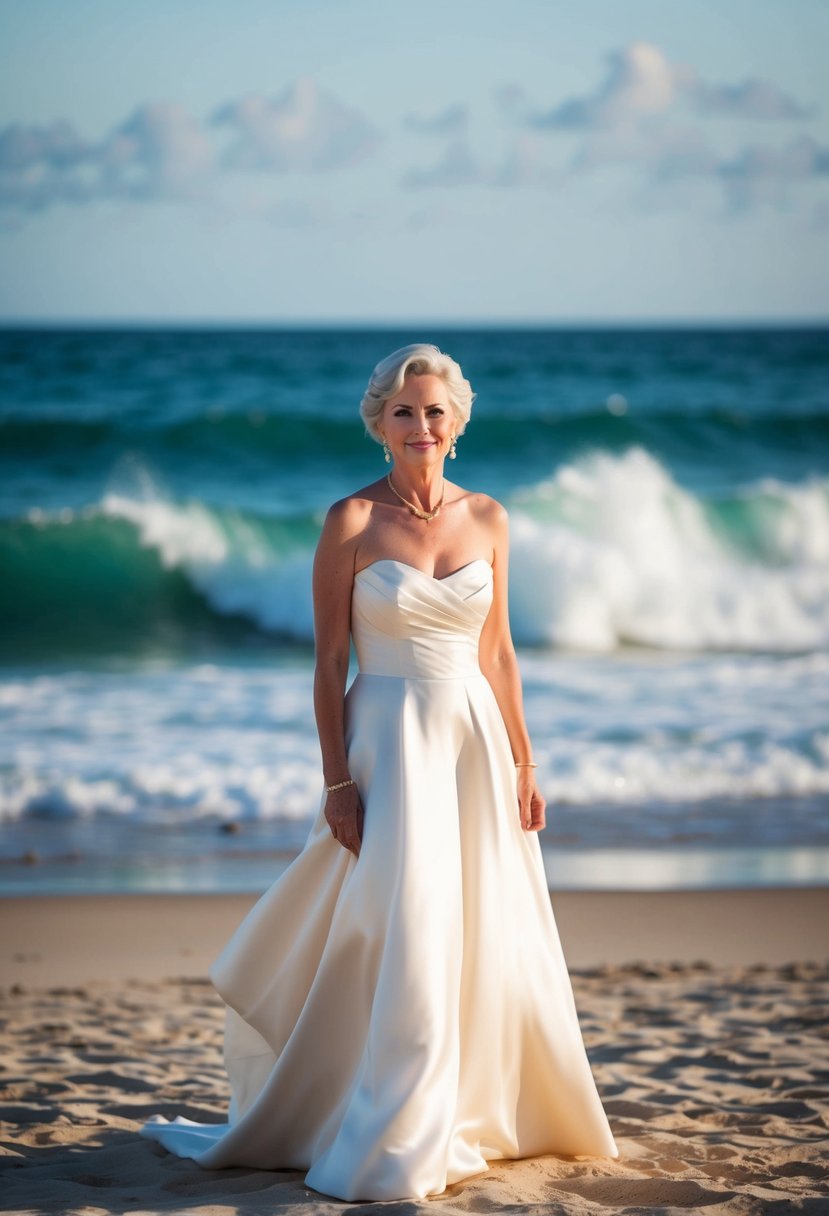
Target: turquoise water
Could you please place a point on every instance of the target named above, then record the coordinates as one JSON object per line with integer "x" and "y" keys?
{"x": 161, "y": 492}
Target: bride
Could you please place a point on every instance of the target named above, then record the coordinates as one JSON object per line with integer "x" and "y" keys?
{"x": 398, "y": 1008}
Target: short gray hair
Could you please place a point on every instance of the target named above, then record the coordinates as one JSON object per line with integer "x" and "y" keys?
{"x": 421, "y": 358}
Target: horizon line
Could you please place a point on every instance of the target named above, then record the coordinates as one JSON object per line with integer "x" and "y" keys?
{"x": 387, "y": 324}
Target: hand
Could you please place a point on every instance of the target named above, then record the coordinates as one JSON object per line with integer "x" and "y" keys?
{"x": 344, "y": 816}
{"x": 531, "y": 806}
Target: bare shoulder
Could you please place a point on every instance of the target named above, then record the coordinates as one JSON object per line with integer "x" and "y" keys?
{"x": 486, "y": 510}
{"x": 347, "y": 517}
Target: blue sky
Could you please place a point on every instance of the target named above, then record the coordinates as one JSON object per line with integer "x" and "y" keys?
{"x": 351, "y": 160}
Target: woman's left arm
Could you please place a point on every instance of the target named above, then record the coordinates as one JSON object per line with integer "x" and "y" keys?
{"x": 496, "y": 655}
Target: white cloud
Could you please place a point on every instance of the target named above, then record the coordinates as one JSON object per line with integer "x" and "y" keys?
{"x": 641, "y": 81}
{"x": 161, "y": 152}
{"x": 57, "y": 145}
{"x": 648, "y": 113}
{"x": 639, "y": 115}
{"x": 305, "y": 128}
{"x": 41, "y": 165}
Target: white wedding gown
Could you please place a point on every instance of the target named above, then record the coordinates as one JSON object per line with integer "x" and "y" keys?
{"x": 397, "y": 1020}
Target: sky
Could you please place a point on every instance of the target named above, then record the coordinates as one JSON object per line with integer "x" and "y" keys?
{"x": 368, "y": 161}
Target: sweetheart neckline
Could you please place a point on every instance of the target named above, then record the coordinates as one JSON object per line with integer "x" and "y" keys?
{"x": 432, "y": 577}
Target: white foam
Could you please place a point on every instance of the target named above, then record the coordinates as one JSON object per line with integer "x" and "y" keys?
{"x": 610, "y": 550}
{"x": 226, "y": 557}
{"x": 180, "y": 743}
{"x": 183, "y": 743}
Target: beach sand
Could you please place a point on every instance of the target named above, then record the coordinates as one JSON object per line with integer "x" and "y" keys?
{"x": 704, "y": 1015}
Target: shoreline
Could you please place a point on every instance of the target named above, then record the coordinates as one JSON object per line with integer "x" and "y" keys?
{"x": 60, "y": 939}
{"x": 241, "y": 864}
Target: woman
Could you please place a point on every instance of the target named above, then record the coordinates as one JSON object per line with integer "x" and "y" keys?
{"x": 398, "y": 1006}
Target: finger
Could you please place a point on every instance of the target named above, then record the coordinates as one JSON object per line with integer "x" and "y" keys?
{"x": 351, "y": 836}
{"x": 355, "y": 834}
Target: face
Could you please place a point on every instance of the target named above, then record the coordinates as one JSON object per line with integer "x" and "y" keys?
{"x": 418, "y": 422}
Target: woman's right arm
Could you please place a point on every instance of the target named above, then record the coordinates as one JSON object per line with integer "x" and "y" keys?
{"x": 333, "y": 577}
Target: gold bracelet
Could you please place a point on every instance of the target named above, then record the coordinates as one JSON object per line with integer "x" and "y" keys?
{"x": 341, "y": 785}
{"x": 526, "y": 764}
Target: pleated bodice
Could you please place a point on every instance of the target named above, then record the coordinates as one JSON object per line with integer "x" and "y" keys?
{"x": 408, "y": 623}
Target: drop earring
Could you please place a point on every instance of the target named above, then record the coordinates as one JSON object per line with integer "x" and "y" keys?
{"x": 453, "y": 448}
{"x": 386, "y": 452}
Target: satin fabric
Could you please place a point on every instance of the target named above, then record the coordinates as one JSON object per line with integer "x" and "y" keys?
{"x": 397, "y": 1020}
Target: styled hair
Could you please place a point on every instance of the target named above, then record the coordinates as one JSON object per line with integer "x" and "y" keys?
{"x": 419, "y": 359}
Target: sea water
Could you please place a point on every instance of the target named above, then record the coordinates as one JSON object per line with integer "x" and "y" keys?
{"x": 161, "y": 492}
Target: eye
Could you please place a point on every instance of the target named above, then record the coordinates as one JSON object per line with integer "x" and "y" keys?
{"x": 401, "y": 411}
{"x": 436, "y": 409}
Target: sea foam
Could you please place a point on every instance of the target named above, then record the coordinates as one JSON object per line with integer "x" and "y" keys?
{"x": 611, "y": 550}
{"x": 684, "y": 747}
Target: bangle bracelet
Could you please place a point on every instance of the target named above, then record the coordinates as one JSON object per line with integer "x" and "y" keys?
{"x": 526, "y": 764}
{"x": 341, "y": 785}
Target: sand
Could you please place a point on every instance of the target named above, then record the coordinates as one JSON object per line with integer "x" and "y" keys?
{"x": 704, "y": 1015}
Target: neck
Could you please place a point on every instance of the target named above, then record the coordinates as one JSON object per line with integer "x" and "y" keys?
{"x": 421, "y": 486}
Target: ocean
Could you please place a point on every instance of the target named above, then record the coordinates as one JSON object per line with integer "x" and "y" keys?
{"x": 161, "y": 491}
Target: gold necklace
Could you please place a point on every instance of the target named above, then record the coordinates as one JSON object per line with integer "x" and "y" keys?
{"x": 427, "y": 515}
